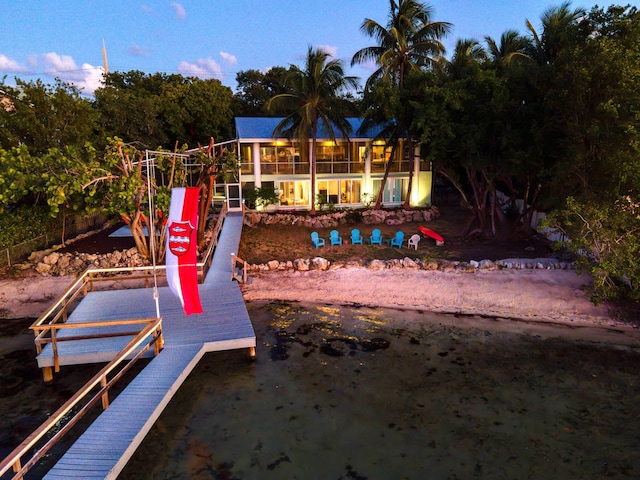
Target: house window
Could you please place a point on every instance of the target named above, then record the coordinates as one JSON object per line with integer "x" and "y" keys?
{"x": 331, "y": 158}
{"x": 294, "y": 193}
{"x": 379, "y": 157}
{"x": 268, "y": 160}
{"x": 395, "y": 190}
{"x": 246, "y": 160}
{"x": 338, "y": 192}
{"x": 350, "y": 191}
{"x": 282, "y": 158}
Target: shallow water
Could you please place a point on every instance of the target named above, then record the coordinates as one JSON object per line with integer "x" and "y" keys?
{"x": 338, "y": 393}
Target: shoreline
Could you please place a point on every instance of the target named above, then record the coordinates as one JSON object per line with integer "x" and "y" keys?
{"x": 536, "y": 296}
{"x": 528, "y": 299}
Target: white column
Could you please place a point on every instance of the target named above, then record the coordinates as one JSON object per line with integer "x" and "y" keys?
{"x": 255, "y": 156}
{"x": 368, "y": 186}
{"x": 415, "y": 190}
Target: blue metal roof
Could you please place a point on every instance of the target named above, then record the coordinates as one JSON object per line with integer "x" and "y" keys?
{"x": 263, "y": 127}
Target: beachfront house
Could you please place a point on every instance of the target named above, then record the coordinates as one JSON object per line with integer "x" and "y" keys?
{"x": 349, "y": 172}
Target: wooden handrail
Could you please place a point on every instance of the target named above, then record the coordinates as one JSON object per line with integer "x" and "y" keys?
{"x": 14, "y": 459}
{"x": 242, "y": 276}
{"x": 52, "y": 329}
{"x": 246, "y": 210}
{"x": 207, "y": 258}
{"x": 54, "y": 319}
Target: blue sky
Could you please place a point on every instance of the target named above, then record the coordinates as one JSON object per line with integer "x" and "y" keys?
{"x": 216, "y": 38}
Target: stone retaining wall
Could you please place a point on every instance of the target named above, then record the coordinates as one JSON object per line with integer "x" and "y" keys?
{"x": 340, "y": 217}
{"x": 319, "y": 263}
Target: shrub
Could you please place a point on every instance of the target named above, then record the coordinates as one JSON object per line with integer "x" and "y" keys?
{"x": 24, "y": 223}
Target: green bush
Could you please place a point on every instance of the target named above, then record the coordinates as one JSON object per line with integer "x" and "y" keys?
{"x": 606, "y": 238}
{"x": 261, "y": 197}
{"x": 24, "y": 223}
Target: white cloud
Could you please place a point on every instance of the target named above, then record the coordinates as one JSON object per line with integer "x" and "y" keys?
{"x": 55, "y": 63}
{"x": 87, "y": 77}
{"x": 369, "y": 66}
{"x": 93, "y": 78}
{"x": 179, "y": 10}
{"x": 137, "y": 50}
{"x": 202, "y": 68}
{"x": 331, "y": 50}
{"x": 9, "y": 65}
{"x": 228, "y": 58}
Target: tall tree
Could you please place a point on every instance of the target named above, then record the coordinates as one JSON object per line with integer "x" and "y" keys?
{"x": 512, "y": 48}
{"x": 559, "y": 25}
{"x": 256, "y": 88}
{"x": 158, "y": 110}
{"x": 595, "y": 111}
{"x": 409, "y": 43}
{"x": 195, "y": 110}
{"x": 315, "y": 102}
{"x": 43, "y": 116}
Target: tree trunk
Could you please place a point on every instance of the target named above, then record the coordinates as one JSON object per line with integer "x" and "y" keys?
{"x": 312, "y": 166}
{"x": 407, "y": 201}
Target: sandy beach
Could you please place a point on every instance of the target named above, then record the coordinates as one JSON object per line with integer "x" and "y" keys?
{"x": 557, "y": 296}
{"x": 30, "y": 296}
{"x": 538, "y": 295}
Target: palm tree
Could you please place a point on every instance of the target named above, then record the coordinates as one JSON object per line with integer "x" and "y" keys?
{"x": 556, "y": 23}
{"x": 512, "y": 47}
{"x": 467, "y": 53}
{"x": 410, "y": 42}
{"x": 314, "y": 102}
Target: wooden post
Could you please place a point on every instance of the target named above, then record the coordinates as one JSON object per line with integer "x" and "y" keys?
{"x": 17, "y": 466}
{"x": 54, "y": 348}
{"x": 105, "y": 395}
{"x": 252, "y": 352}
{"x": 47, "y": 374}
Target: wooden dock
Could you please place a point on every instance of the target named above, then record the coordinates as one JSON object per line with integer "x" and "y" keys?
{"x": 102, "y": 451}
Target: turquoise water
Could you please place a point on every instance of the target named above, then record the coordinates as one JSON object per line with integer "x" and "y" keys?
{"x": 339, "y": 393}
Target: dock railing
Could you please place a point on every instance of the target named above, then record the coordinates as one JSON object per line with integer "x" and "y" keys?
{"x": 58, "y": 424}
{"x": 207, "y": 257}
{"x": 47, "y": 326}
{"x": 239, "y": 269}
{"x": 54, "y": 319}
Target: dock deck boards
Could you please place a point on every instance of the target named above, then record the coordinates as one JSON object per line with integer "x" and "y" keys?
{"x": 108, "y": 443}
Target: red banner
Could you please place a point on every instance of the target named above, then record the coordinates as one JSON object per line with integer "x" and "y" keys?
{"x": 182, "y": 252}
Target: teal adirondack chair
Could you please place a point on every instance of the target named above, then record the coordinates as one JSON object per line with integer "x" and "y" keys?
{"x": 376, "y": 237}
{"x": 397, "y": 240}
{"x": 317, "y": 241}
{"x": 356, "y": 237}
{"x": 335, "y": 238}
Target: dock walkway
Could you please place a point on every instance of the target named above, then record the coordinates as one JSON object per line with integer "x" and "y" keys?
{"x": 103, "y": 450}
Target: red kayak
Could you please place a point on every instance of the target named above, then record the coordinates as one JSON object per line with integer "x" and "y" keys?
{"x": 427, "y": 232}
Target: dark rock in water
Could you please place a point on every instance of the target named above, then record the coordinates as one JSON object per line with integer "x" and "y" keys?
{"x": 373, "y": 344}
{"x": 279, "y": 351}
{"x": 337, "y": 347}
{"x": 351, "y": 473}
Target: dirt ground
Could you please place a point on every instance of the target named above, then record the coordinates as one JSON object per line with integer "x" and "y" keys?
{"x": 263, "y": 243}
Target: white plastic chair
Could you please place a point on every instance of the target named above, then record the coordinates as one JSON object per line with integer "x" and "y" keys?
{"x": 413, "y": 241}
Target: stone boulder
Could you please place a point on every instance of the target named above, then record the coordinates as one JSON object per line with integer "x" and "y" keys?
{"x": 409, "y": 263}
{"x": 301, "y": 264}
{"x": 377, "y": 265}
{"x": 319, "y": 263}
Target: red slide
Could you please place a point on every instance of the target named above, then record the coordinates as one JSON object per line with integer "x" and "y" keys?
{"x": 427, "y": 232}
